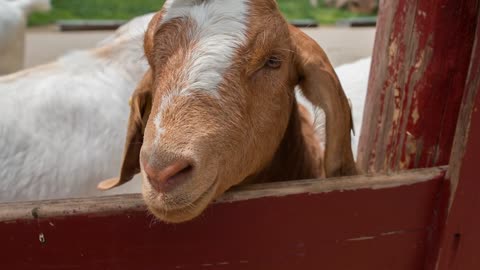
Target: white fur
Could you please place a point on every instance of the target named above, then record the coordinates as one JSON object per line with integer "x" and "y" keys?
{"x": 166, "y": 101}
{"x": 63, "y": 124}
{"x": 354, "y": 78}
{"x": 219, "y": 28}
{"x": 13, "y": 16}
{"x": 318, "y": 115}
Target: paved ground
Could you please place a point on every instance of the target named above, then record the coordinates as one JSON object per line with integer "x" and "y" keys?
{"x": 46, "y": 44}
{"x": 343, "y": 45}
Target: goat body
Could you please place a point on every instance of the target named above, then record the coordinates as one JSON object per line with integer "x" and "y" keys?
{"x": 62, "y": 124}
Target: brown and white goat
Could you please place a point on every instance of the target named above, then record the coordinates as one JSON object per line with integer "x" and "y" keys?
{"x": 217, "y": 107}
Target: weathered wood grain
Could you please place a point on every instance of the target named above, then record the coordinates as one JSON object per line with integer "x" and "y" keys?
{"x": 118, "y": 204}
{"x": 459, "y": 232}
{"x": 420, "y": 63}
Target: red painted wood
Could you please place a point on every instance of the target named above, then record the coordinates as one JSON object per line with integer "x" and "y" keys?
{"x": 460, "y": 239}
{"x": 420, "y": 63}
{"x": 362, "y": 229}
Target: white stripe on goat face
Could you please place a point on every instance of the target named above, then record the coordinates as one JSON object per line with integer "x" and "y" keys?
{"x": 219, "y": 29}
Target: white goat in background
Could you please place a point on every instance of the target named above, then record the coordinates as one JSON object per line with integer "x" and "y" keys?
{"x": 62, "y": 125}
{"x": 13, "y": 20}
{"x": 354, "y": 77}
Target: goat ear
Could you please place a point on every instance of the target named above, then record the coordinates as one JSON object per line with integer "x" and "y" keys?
{"x": 140, "y": 107}
{"x": 320, "y": 85}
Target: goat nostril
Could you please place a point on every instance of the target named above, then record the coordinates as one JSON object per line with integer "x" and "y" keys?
{"x": 169, "y": 177}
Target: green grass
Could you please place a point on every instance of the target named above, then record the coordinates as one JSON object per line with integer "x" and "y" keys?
{"x": 300, "y": 9}
{"x": 127, "y": 9}
{"x": 95, "y": 9}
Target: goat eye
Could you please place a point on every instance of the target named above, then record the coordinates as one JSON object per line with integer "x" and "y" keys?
{"x": 273, "y": 62}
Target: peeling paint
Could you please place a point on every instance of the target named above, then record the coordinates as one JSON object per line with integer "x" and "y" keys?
{"x": 392, "y": 49}
{"x": 422, "y": 13}
{"x": 410, "y": 150}
{"x": 208, "y": 265}
{"x": 419, "y": 62}
{"x": 396, "y": 114}
{"x": 363, "y": 238}
{"x": 415, "y": 115}
{"x": 393, "y": 233}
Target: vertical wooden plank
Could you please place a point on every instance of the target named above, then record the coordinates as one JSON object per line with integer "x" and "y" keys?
{"x": 460, "y": 239}
{"x": 420, "y": 63}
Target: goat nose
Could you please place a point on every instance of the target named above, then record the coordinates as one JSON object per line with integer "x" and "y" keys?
{"x": 169, "y": 177}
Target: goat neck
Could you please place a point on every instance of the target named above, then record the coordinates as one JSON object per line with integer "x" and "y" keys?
{"x": 299, "y": 155}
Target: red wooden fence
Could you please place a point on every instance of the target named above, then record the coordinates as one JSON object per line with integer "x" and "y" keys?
{"x": 353, "y": 223}
{"x": 425, "y": 61}
{"x": 460, "y": 237}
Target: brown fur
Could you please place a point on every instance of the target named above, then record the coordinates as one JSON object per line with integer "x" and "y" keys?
{"x": 299, "y": 155}
{"x": 253, "y": 132}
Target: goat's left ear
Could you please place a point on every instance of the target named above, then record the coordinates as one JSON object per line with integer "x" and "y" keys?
{"x": 320, "y": 85}
{"x": 140, "y": 108}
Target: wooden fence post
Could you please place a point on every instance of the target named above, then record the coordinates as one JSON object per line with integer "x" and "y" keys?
{"x": 459, "y": 232}
{"x": 420, "y": 63}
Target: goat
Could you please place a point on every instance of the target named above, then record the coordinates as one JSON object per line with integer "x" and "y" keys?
{"x": 13, "y": 19}
{"x": 51, "y": 180}
{"x": 62, "y": 123}
{"x": 217, "y": 106}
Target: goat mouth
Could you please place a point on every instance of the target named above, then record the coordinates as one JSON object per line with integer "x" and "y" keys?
{"x": 173, "y": 177}
{"x": 187, "y": 211}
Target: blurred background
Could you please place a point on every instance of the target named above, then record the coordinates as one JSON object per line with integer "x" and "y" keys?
{"x": 330, "y": 23}
{"x": 324, "y": 12}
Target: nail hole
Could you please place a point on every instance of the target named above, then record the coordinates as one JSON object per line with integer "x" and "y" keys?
{"x": 455, "y": 246}
{"x": 41, "y": 238}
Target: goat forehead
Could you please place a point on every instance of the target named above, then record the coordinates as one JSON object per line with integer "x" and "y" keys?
{"x": 217, "y": 31}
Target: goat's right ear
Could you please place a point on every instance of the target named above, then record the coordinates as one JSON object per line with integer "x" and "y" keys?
{"x": 320, "y": 85}
{"x": 140, "y": 108}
